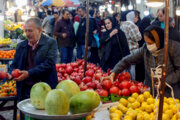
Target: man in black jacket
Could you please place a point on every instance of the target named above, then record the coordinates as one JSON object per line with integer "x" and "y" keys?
{"x": 159, "y": 21}
{"x": 65, "y": 37}
{"x": 174, "y": 34}
{"x": 80, "y": 36}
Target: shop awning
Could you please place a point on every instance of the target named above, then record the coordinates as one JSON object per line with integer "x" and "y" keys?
{"x": 60, "y": 3}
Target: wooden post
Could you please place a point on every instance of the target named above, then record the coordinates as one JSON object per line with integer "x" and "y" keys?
{"x": 166, "y": 37}
{"x": 87, "y": 36}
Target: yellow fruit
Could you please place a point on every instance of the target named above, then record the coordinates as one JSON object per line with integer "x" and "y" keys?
{"x": 124, "y": 101}
{"x": 112, "y": 109}
{"x": 165, "y": 117}
{"x": 169, "y": 112}
{"x": 135, "y": 95}
{"x": 174, "y": 117}
{"x": 171, "y": 102}
{"x": 131, "y": 99}
{"x": 143, "y": 106}
{"x": 146, "y": 116}
{"x": 169, "y": 99}
{"x": 174, "y": 109}
{"x": 178, "y": 106}
{"x": 148, "y": 108}
{"x": 153, "y": 106}
{"x": 129, "y": 105}
{"x": 165, "y": 99}
{"x": 115, "y": 118}
{"x": 140, "y": 116}
{"x": 134, "y": 114}
{"x": 150, "y": 101}
{"x": 119, "y": 113}
{"x": 146, "y": 94}
{"x": 129, "y": 111}
{"x": 122, "y": 108}
{"x": 138, "y": 110}
{"x": 128, "y": 118}
{"x": 140, "y": 98}
{"x": 177, "y": 100}
{"x": 165, "y": 107}
{"x": 178, "y": 115}
{"x": 135, "y": 105}
{"x": 114, "y": 115}
{"x": 152, "y": 115}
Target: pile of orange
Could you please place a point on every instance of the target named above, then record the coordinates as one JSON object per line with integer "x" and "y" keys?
{"x": 7, "y": 54}
{"x": 8, "y": 89}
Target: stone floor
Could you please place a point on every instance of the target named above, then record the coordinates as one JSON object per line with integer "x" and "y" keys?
{"x": 8, "y": 115}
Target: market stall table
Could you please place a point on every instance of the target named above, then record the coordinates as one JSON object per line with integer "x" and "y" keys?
{"x": 27, "y": 108}
{"x": 3, "y": 101}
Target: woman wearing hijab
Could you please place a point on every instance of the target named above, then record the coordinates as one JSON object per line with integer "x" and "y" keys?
{"x": 116, "y": 18}
{"x": 114, "y": 44}
{"x": 153, "y": 55}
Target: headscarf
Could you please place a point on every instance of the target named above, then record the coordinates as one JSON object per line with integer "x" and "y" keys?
{"x": 113, "y": 24}
{"x": 156, "y": 34}
{"x": 114, "y": 18}
{"x": 130, "y": 16}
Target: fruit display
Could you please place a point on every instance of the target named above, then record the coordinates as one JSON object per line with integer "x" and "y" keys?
{"x": 5, "y": 41}
{"x": 122, "y": 85}
{"x": 66, "y": 84}
{"x": 144, "y": 107}
{"x": 8, "y": 89}
{"x": 38, "y": 94}
{"x": 84, "y": 101}
{"x": 16, "y": 34}
{"x": 7, "y": 54}
{"x": 9, "y": 25}
{"x": 58, "y": 101}
{"x": 14, "y": 30}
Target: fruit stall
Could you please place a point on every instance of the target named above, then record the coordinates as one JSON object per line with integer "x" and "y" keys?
{"x": 77, "y": 96}
{"x": 89, "y": 98}
{"x": 7, "y": 93}
{"x": 13, "y": 33}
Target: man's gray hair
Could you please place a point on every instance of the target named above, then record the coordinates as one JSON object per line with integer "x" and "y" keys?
{"x": 36, "y": 21}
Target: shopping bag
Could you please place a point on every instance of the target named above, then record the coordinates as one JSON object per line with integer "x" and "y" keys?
{"x": 96, "y": 36}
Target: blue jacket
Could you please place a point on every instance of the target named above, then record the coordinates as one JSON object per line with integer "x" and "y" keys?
{"x": 44, "y": 60}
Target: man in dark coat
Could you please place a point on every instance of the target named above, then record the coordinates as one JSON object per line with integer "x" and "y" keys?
{"x": 64, "y": 31}
{"x": 80, "y": 36}
{"x": 36, "y": 58}
{"x": 159, "y": 21}
{"x": 173, "y": 33}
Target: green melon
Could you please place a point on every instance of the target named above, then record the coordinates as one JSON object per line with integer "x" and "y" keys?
{"x": 69, "y": 87}
{"x": 84, "y": 101}
{"x": 38, "y": 94}
{"x": 57, "y": 102}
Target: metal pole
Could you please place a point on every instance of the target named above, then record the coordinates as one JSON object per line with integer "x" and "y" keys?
{"x": 87, "y": 35}
{"x": 166, "y": 37}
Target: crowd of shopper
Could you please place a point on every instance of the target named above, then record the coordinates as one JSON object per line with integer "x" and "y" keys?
{"x": 111, "y": 38}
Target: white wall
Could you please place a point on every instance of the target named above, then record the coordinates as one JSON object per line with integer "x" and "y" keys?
{"x": 1, "y": 18}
